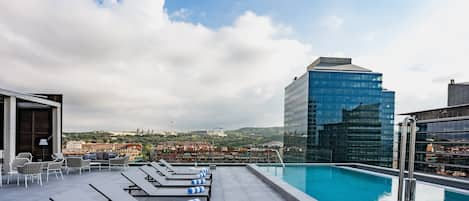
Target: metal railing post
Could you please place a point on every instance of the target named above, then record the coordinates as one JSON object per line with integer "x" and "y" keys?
{"x": 411, "y": 182}
{"x": 408, "y": 126}
{"x": 280, "y": 158}
{"x": 403, "y": 129}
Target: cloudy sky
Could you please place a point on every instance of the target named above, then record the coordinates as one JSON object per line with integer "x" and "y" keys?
{"x": 209, "y": 64}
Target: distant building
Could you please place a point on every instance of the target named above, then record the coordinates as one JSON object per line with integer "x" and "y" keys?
{"x": 73, "y": 146}
{"x": 184, "y": 146}
{"x": 123, "y": 133}
{"x": 442, "y": 145}
{"x": 216, "y": 132}
{"x": 169, "y": 133}
{"x": 272, "y": 144}
{"x": 338, "y": 112}
{"x": 458, "y": 93}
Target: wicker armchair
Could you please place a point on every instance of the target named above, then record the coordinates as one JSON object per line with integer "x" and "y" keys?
{"x": 78, "y": 163}
{"x": 56, "y": 168}
{"x": 14, "y": 167}
{"x": 32, "y": 170}
{"x": 27, "y": 155}
{"x": 119, "y": 161}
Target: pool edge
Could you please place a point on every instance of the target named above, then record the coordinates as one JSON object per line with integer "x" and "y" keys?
{"x": 286, "y": 190}
{"x": 451, "y": 183}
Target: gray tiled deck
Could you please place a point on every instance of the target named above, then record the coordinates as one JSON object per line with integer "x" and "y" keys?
{"x": 230, "y": 184}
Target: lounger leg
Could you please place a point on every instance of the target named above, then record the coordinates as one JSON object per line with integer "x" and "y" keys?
{"x": 61, "y": 175}
{"x": 47, "y": 176}
{"x": 26, "y": 181}
{"x": 8, "y": 179}
{"x": 80, "y": 171}
{"x": 18, "y": 180}
{"x": 40, "y": 178}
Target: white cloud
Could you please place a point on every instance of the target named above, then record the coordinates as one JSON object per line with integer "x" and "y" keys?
{"x": 127, "y": 65}
{"x": 429, "y": 50}
{"x": 332, "y": 22}
{"x": 180, "y": 14}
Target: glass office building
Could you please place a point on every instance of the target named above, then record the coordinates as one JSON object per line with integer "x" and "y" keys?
{"x": 338, "y": 112}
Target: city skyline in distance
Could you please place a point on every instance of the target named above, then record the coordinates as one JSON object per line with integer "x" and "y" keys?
{"x": 127, "y": 69}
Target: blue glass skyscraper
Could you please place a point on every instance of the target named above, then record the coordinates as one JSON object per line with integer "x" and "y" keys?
{"x": 338, "y": 112}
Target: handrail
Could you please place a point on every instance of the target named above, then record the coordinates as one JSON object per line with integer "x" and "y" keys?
{"x": 400, "y": 186}
{"x": 280, "y": 158}
{"x": 408, "y": 126}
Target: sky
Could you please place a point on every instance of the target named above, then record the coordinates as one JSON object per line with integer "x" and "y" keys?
{"x": 186, "y": 64}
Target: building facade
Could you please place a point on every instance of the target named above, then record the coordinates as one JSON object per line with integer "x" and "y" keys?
{"x": 338, "y": 112}
{"x": 26, "y": 119}
{"x": 458, "y": 93}
{"x": 442, "y": 145}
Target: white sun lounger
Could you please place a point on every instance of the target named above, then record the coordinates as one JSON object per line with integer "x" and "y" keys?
{"x": 163, "y": 182}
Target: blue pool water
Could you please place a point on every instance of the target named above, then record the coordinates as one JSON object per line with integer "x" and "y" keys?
{"x": 329, "y": 183}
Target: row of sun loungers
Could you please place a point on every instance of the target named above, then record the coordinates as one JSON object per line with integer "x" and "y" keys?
{"x": 149, "y": 182}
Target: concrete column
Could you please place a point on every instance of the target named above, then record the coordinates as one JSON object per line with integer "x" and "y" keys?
{"x": 56, "y": 130}
{"x": 9, "y": 138}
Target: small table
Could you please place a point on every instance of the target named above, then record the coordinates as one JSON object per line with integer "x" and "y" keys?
{"x": 95, "y": 164}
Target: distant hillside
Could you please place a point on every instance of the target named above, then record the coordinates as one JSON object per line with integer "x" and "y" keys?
{"x": 262, "y": 131}
{"x": 235, "y": 138}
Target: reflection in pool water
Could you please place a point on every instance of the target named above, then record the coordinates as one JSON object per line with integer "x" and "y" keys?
{"x": 329, "y": 183}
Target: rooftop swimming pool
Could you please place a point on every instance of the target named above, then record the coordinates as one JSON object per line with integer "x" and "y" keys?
{"x": 334, "y": 183}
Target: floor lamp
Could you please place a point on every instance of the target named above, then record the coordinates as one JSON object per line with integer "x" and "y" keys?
{"x": 43, "y": 143}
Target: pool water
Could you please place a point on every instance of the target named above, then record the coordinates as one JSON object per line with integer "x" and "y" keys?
{"x": 330, "y": 183}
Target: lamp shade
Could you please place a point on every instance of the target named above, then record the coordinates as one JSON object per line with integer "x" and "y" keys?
{"x": 43, "y": 142}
